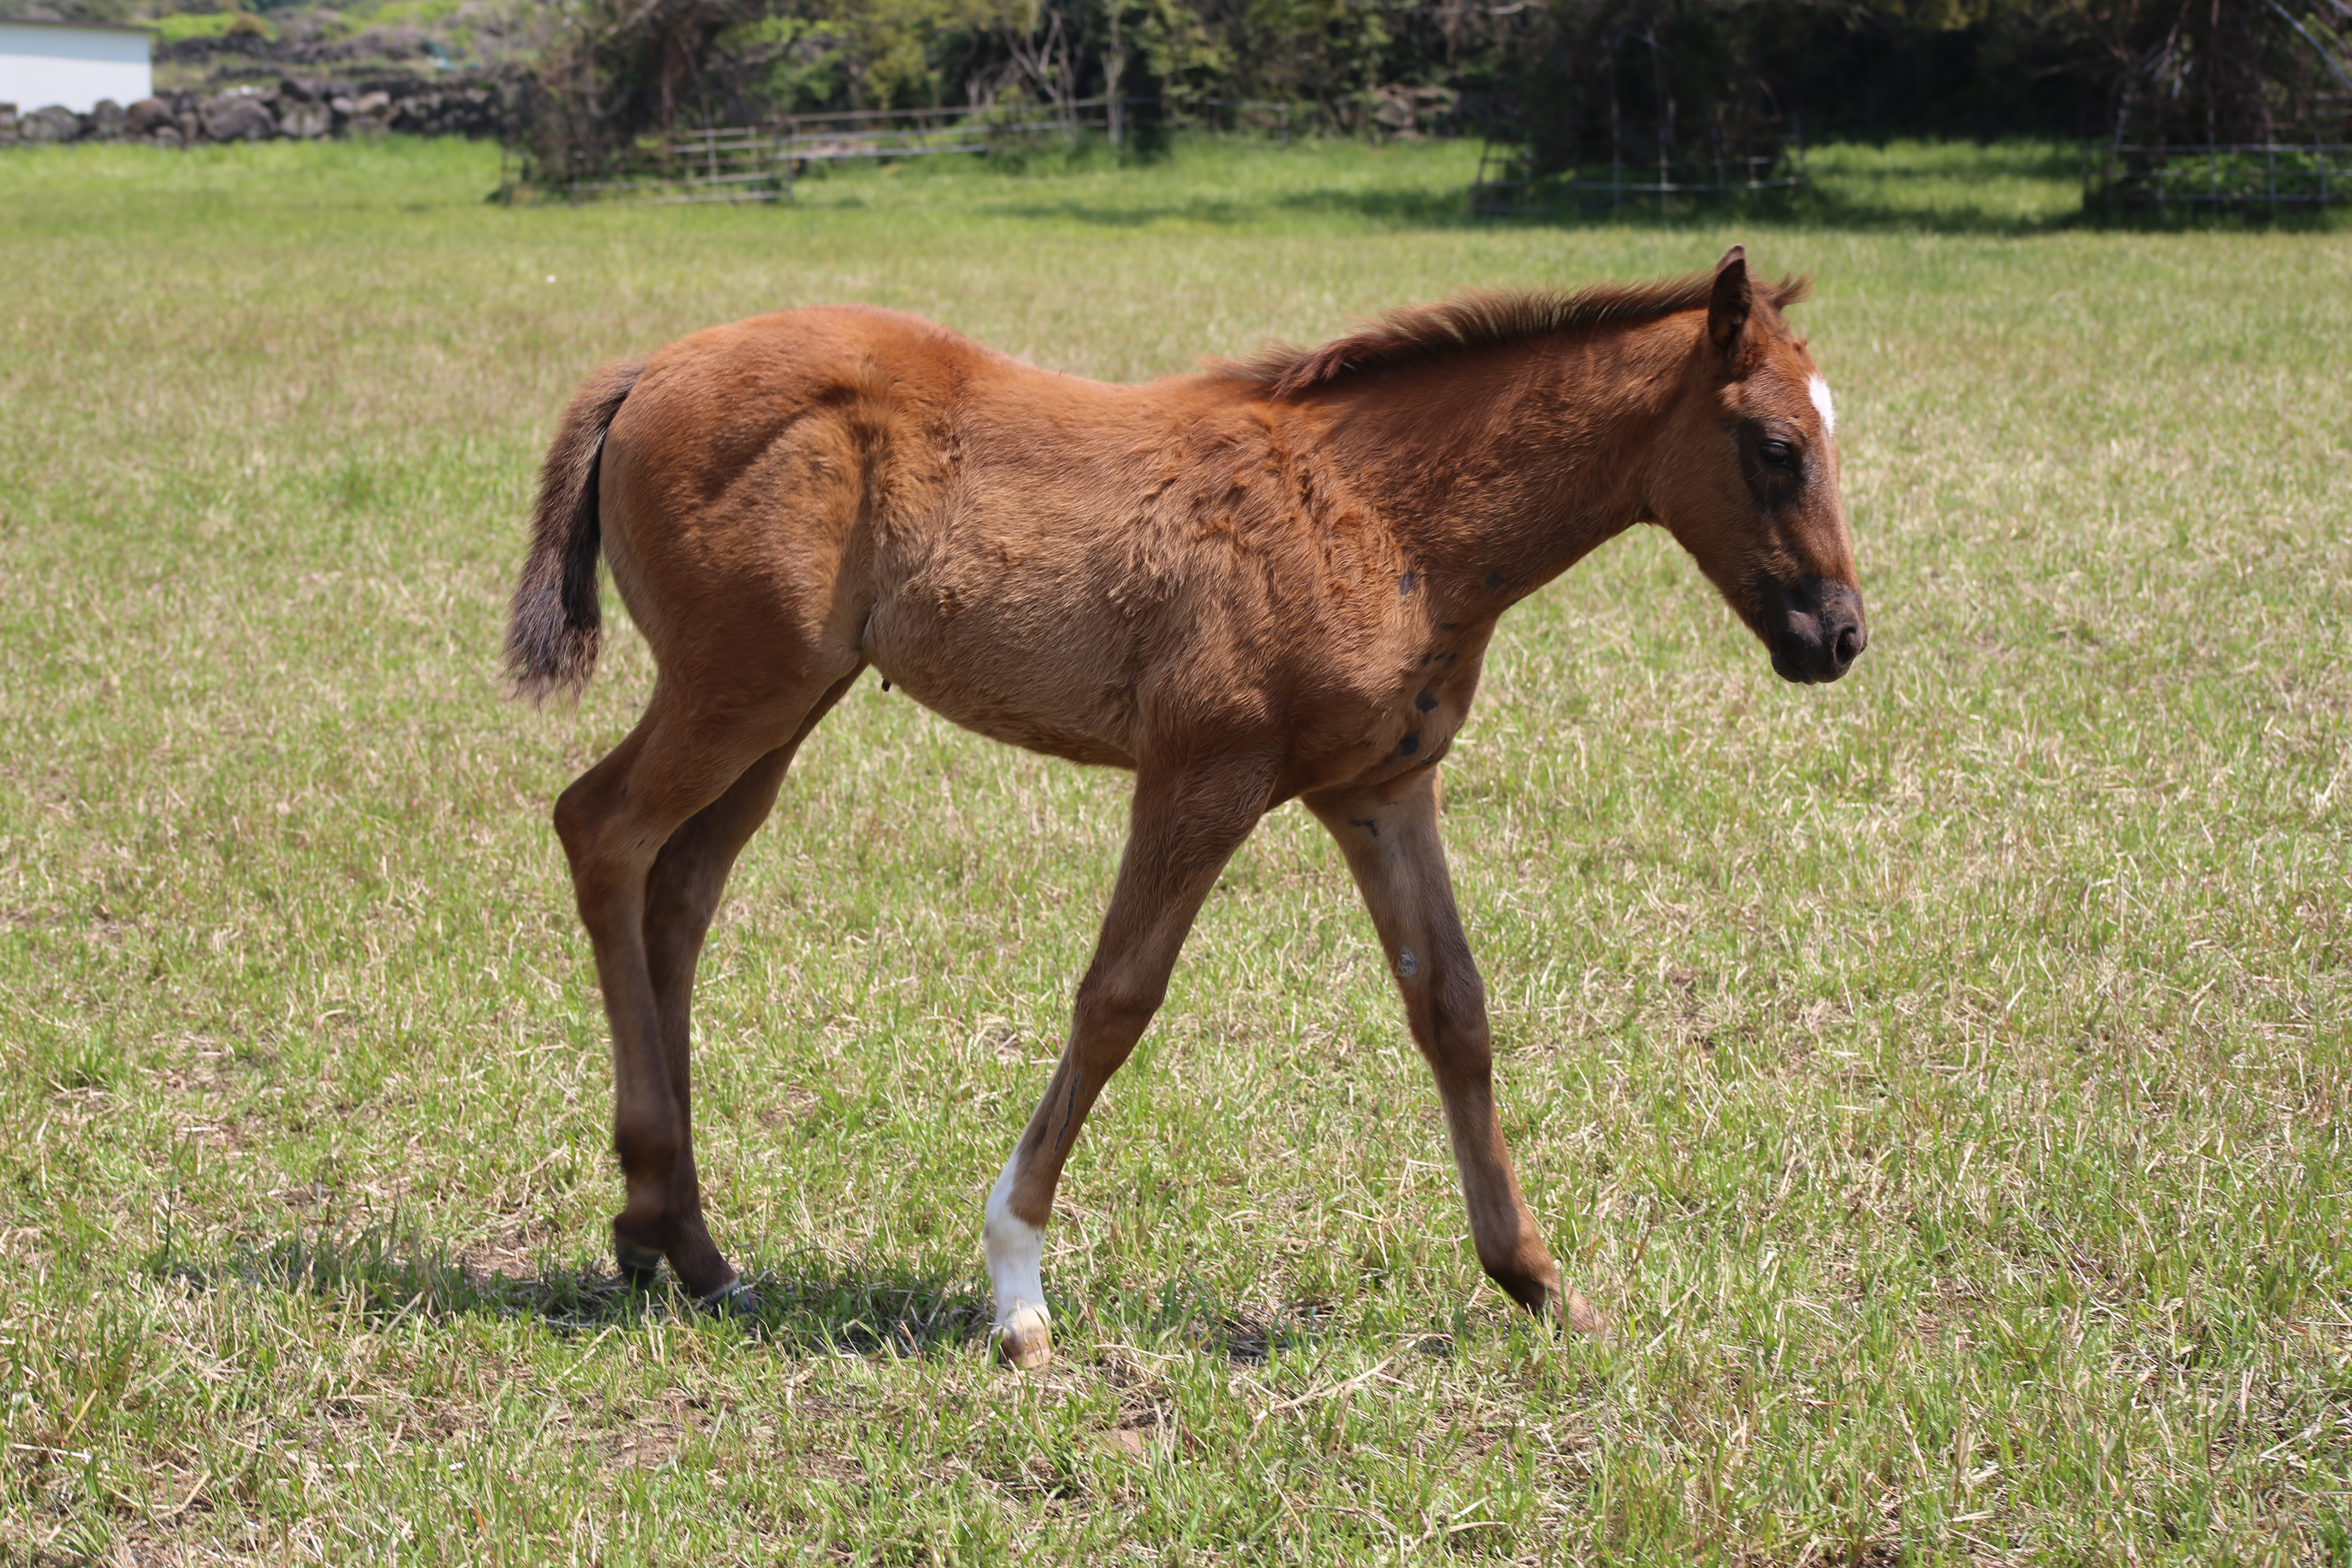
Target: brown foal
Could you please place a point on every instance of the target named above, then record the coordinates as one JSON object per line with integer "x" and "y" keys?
{"x": 1274, "y": 580}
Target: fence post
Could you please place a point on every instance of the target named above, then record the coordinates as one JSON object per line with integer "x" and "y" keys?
{"x": 1616, "y": 153}
{"x": 1663, "y": 177}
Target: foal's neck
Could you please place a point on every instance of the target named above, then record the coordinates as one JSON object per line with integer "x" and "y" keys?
{"x": 1499, "y": 469}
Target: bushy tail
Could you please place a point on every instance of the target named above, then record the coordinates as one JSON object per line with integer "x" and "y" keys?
{"x": 553, "y": 628}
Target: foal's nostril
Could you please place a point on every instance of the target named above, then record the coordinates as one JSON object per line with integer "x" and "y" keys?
{"x": 1849, "y": 645}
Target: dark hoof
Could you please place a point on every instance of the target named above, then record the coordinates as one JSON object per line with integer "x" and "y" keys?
{"x": 733, "y": 1300}
{"x": 640, "y": 1266}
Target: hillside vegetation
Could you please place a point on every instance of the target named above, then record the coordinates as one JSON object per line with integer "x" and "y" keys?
{"x": 1712, "y": 73}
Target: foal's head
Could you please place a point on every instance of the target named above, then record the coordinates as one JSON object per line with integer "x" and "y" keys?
{"x": 1745, "y": 476}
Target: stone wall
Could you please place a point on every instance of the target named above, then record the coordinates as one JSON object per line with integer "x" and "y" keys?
{"x": 297, "y": 109}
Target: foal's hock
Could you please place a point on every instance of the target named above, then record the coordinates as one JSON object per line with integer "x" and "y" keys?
{"x": 1274, "y": 580}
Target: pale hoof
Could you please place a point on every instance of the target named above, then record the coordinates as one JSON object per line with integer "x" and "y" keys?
{"x": 1580, "y": 1316}
{"x": 1025, "y": 1339}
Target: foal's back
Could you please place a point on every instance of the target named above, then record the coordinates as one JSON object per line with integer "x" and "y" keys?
{"x": 1067, "y": 565}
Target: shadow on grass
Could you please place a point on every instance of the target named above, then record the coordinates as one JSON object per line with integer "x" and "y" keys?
{"x": 1962, "y": 189}
{"x": 1868, "y": 211}
{"x": 1848, "y": 206}
{"x": 1251, "y": 1337}
{"x": 388, "y": 1274}
{"x": 1098, "y": 214}
{"x": 1861, "y": 208}
{"x": 2002, "y": 189}
{"x": 1441, "y": 208}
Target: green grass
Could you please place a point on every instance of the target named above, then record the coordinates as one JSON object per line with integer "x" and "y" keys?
{"x": 1938, "y": 1076}
{"x": 180, "y": 26}
{"x": 2011, "y": 187}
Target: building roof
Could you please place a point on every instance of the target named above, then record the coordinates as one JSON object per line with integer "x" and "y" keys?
{"x": 78, "y": 27}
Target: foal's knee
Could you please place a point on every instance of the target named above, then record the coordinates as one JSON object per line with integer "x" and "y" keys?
{"x": 1118, "y": 1005}
{"x": 1458, "y": 1007}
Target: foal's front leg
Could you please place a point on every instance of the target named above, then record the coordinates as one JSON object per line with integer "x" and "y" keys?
{"x": 1186, "y": 823}
{"x": 1390, "y": 838}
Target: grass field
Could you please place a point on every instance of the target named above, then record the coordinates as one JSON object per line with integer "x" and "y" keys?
{"x": 1939, "y": 1078}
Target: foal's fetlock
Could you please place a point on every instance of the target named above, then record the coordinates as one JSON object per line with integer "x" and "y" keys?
{"x": 641, "y": 1266}
{"x": 1016, "y": 1248}
{"x": 1024, "y": 1339}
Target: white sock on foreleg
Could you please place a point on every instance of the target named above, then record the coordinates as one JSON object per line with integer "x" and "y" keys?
{"x": 1016, "y": 1250}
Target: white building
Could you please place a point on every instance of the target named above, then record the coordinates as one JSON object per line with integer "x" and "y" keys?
{"x": 73, "y": 63}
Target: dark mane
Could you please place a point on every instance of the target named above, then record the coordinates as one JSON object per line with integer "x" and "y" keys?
{"x": 1481, "y": 318}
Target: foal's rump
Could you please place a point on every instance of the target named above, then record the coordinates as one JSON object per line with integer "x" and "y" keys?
{"x": 737, "y": 479}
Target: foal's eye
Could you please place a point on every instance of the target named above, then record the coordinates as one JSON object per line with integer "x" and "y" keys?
{"x": 1777, "y": 454}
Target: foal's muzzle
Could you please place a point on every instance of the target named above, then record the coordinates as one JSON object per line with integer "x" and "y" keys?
{"x": 1817, "y": 628}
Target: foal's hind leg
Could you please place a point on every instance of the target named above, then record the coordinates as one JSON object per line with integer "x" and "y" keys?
{"x": 1390, "y": 838}
{"x": 1186, "y": 823}
{"x": 706, "y": 779}
{"x": 682, "y": 894}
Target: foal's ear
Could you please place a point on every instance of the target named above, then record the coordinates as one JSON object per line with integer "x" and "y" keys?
{"x": 1733, "y": 299}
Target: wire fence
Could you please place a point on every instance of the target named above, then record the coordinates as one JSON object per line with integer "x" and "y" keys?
{"x": 1510, "y": 184}
{"x": 762, "y": 162}
{"x": 2248, "y": 178}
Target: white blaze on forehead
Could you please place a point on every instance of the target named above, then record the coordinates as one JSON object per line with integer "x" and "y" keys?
{"x": 1821, "y": 392}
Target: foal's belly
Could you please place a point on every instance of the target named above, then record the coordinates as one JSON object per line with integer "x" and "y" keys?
{"x": 1024, "y": 673}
